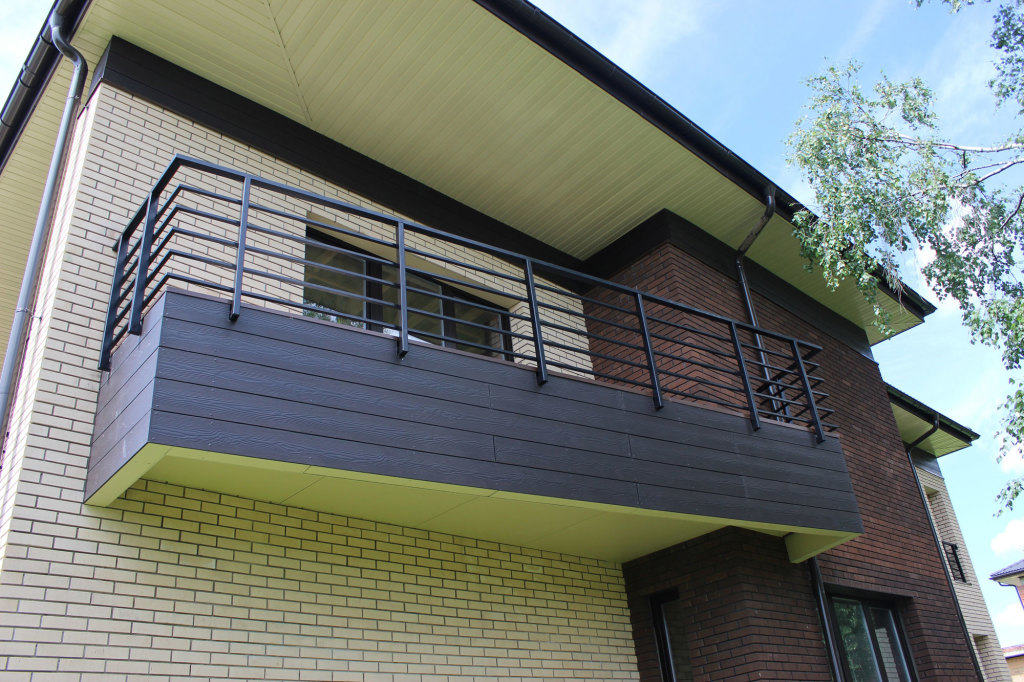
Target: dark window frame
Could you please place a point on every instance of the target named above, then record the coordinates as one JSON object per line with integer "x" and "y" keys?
{"x": 374, "y": 312}
{"x": 893, "y": 604}
{"x": 952, "y": 556}
{"x": 662, "y": 639}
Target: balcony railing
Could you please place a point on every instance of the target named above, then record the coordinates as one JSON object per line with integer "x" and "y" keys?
{"x": 217, "y": 229}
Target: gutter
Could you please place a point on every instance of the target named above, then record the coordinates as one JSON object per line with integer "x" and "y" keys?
{"x": 23, "y": 312}
{"x": 938, "y": 543}
{"x": 35, "y": 73}
{"x": 927, "y": 414}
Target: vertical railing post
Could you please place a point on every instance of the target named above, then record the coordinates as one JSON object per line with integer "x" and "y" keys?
{"x": 538, "y": 338}
{"x": 243, "y": 224}
{"x": 652, "y": 365}
{"x": 755, "y": 418}
{"x": 115, "y": 293}
{"x": 142, "y": 265}
{"x": 403, "y": 304}
{"x": 808, "y": 391}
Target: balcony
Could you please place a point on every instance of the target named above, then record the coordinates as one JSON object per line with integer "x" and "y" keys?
{"x": 274, "y": 343}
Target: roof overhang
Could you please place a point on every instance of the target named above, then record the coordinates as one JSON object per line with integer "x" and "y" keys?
{"x": 915, "y": 419}
{"x": 490, "y": 102}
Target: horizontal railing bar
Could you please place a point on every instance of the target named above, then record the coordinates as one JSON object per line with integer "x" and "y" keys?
{"x": 459, "y": 283}
{"x": 595, "y": 373}
{"x": 321, "y": 244}
{"x": 518, "y": 279}
{"x": 463, "y": 342}
{"x": 701, "y": 380}
{"x": 776, "y": 398}
{"x": 594, "y": 354}
{"x": 692, "y": 330}
{"x": 316, "y": 264}
{"x": 695, "y": 346}
{"x": 586, "y": 318}
{"x": 314, "y": 308}
{"x": 333, "y": 228}
{"x": 192, "y": 189}
{"x": 707, "y": 399}
{"x": 588, "y": 299}
{"x": 698, "y": 363}
{"x": 455, "y": 320}
{"x": 313, "y": 285}
{"x": 456, "y": 299}
{"x": 590, "y": 335}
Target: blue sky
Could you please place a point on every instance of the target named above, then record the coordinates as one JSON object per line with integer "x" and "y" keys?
{"x": 737, "y": 67}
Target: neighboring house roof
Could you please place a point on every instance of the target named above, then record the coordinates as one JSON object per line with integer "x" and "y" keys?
{"x": 689, "y": 171}
{"x": 1014, "y": 569}
{"x": 1013, "y": 651}
{"x": 914, "y": 419}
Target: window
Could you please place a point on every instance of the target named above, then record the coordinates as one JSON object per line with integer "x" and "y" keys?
{"x": 871, "y": 642}
{"x": 346, "y": 285}
{"x": 670, "y": 633}
{"x": 953, "y": 561}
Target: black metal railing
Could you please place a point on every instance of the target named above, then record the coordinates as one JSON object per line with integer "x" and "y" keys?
{"x": 956, "y": 568}
{"x": 227, "y": 231}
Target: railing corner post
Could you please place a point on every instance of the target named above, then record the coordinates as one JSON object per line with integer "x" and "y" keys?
{"x": 652, "y": 366}
{"x": 115, "y": 294}
{"x": 538, "y": 336}
{"x": 243, "y": 223}
{"x": 403, "y": 303}
{"x": 142, "y": 266}
{"x": 808, "y": 391}
{"x": 755, "y": 418}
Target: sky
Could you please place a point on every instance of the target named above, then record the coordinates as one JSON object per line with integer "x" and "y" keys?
{"x": 737, "y": 68}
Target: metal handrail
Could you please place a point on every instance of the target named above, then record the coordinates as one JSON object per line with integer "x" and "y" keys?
{"x": 135, "y": 253}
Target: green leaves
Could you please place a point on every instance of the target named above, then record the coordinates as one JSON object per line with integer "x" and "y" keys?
{"x": 886, "y": 183}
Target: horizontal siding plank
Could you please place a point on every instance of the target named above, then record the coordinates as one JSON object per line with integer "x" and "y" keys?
{"x": 315, "y": 450}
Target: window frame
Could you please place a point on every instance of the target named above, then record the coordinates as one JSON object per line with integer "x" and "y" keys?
{"x": 374, "y": 312}
{"x": 662, "y": 638}
{"x": 872, "y": 600}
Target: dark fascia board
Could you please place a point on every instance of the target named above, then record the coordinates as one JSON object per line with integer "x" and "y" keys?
{"x": 927, "y": 414}
{"x": 667, "y": 227}
{"x": 132, "y": 69}
{"x": 34, "y": 76}
{"x": 572, "y": 50}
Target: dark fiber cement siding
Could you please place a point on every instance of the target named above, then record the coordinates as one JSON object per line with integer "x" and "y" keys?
{"x": 288, "y": 388}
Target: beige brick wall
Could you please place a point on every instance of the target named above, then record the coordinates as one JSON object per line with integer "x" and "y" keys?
{"x": 174, "y": 583}
{"x": 969, "y": 596}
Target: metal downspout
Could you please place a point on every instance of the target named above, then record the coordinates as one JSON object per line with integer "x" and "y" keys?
{"x": 18, "y": 339}
{"x": 812, "y": 563}
{"x": 938, "y": 545}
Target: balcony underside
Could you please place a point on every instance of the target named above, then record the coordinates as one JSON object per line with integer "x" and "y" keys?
{"x": 291, "y": 410}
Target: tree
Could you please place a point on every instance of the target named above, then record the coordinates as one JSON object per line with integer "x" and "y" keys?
{"x": 886, "y": 182}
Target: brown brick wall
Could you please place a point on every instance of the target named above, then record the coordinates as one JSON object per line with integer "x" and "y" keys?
{"x": 750, "y": 612}
{"x": 896, "y": 555}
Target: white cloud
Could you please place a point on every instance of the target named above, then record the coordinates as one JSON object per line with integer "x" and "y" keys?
{"x": 631, "y": 34}
{"x": 1011, "y": 539}
{"x": 1013, "y": 461}
{"x": 1011, "y": 616}
{"x": 869, "y": 22}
